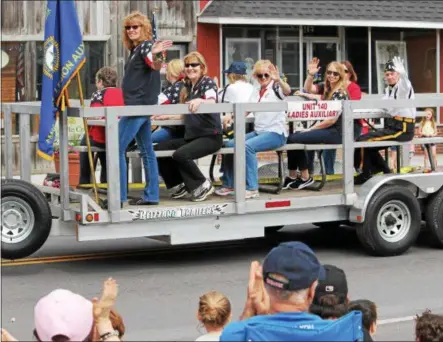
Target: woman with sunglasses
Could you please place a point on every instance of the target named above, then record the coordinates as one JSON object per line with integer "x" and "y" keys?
{"x": 141, "y": 86}
{"x": 324, "y": 132}
{"x": 203, "y": 135}
{"x": 269, "y": 133}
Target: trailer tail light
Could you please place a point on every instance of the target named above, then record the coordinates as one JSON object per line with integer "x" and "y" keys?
{"x": 89, "y": 218}
{"x": 96, "y": 217}
{"x": 78, "y": 217}
{"x": 277, "y": 204}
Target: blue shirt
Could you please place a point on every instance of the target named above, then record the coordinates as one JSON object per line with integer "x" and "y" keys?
{"x": 295, "y": 326}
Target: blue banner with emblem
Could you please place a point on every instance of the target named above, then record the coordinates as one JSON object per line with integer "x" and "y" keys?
{"x": 64, "y": 56}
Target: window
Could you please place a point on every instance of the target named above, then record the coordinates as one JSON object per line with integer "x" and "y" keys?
{"x": 95, "y": 59}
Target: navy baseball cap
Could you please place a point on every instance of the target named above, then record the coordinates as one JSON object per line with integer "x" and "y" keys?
{"x": 334, "y": 283}
{"x": 292, "y": 266}
{"x": 236, "y": 68}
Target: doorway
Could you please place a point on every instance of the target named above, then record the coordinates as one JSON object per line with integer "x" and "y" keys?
{"x": 325, "y": 49}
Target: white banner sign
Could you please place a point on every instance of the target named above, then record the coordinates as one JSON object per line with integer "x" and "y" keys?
{"x": 311, "y": 110}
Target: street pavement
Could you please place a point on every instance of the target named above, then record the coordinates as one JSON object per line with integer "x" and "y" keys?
{"x": 159, "y": 291}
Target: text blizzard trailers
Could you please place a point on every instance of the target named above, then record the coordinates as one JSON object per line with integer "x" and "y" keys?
{"x": 386, "y": 212}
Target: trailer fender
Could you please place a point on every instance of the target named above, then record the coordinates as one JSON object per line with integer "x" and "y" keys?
{"x": 422, "y": 184}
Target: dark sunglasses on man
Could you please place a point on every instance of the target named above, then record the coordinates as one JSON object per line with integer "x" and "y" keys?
{"x": 265, "y": 76}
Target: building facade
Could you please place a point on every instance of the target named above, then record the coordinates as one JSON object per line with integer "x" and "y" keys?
{"x": 291, "y": 33}
{"x": 101, "y": 24}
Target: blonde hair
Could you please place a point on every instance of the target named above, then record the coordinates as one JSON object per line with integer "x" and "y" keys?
{"x": 175, "y": 68}
{"x": 232, "y": 78}
{"x": 433, "y": 123}
{"x": 340, "y": 85}
{"x": 189, "y": 58}
{"x": 214, "y": 309}
{"x": 262, "y": 63}
{"x": 137, "y": 17}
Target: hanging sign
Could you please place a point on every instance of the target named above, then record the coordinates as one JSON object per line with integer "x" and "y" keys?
{"x": 312, "y": 110}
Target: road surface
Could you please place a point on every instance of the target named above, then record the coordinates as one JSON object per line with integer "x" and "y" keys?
{"x": 159, "y": 291}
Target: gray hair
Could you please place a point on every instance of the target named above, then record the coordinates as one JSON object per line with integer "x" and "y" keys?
{"x": 296, "y": 297}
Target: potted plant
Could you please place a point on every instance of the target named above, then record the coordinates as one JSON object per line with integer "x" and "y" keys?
{"x": 75, "y": 134}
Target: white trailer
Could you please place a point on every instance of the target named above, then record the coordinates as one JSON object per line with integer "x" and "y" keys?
{"x": 386, "y": 211}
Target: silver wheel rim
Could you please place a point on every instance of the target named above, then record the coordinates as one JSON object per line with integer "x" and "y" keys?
{"x": 393, "y": 221}
{"x": 17, "y": 220}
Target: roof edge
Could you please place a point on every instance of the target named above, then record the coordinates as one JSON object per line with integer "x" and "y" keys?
{"x": 319, "y": 22}
{"x": 204, "y": 8}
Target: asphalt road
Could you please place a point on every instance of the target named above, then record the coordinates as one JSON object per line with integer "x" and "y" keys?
{"x": 159, "y": 291}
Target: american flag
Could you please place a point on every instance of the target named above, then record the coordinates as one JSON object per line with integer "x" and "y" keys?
{"x": 20, "y": 72}
{"x": 154, "y": 28}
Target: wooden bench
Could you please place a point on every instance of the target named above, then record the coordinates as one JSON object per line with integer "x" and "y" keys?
{"x": 276, "y": 188}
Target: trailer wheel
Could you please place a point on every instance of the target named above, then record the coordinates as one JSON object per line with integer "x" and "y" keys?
{"x": 434, "y": 218}
{"x": 26, "y": 219}
{"x": 392, "y": 222}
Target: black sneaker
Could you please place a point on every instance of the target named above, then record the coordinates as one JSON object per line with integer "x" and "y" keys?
{"x": 300, "y": 183}
{"x": 180, "y": 192}
{"x": 288, "y": 181}
{"x": 141, "y": 202}
{"x": 203, "y": 192}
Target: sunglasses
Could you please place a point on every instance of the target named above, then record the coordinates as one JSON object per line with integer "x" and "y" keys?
{"x": 335, "y": 73}
{"x": 193, "y": 65}
{"x": 262, "y": 75}
{"x": 134, "y": 27}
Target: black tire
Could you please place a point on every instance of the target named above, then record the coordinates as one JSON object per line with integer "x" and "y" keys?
{"x": 434, "y": 218}
{"x": 273, "y": 229}
{"x": 30, "y": 206}
{"x": 397, "y": 198}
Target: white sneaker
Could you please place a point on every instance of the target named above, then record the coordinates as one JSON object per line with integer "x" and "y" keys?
{"x": 252, "y": 194}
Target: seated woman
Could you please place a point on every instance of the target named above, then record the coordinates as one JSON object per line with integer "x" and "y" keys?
{"x": 270, "y": 129}
{"x": 324, "y": 132}
{"x": 203, "y": 135}
{"x": 170, "y": 95}
{"x": 106, "y": 95}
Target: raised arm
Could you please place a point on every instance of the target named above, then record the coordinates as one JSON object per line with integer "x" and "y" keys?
{"x": 404, "y": 84}
{"x": 313, "y": 68}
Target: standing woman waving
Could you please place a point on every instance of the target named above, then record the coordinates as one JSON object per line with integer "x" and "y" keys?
{"x": 141, "y": 86}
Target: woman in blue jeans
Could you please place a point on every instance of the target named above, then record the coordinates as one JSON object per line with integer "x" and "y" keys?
{"x": 269, "y": 129}
{"x": 141, "y": 86}
{"x": 325, "y": 132}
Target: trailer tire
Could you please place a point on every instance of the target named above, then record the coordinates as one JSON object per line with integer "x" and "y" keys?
{"x": 392, "y": 223}
{"x": 26, "y": 219}
{"x": 434, "y": 218}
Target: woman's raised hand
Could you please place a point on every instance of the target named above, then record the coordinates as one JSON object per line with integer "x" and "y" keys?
{"x": 103, "y": 306}
{"x": 274, "y": 73}
{"x": 313, "y": 67}
{"x": 160, "y": 46}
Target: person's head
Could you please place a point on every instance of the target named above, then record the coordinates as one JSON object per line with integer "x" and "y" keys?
{"x": 63, "y": 316}
{"x": 391, "y": 76}
{"x": 262, "y": 72}
{"x": 136, "y": 29}
{"x": 369, "y": 312}
{"x": 214, "y": 310}
{"x": 236, "y": 72}
{"x": 429, "y": 327}
{"x": 106, "y": 77}
{"x": 175, "y": 70}
{"x": 195, "y": 66}
{"x": 291, "y": 272}
{"x": 350, "y": 74}
{"x": 430, "y": 114}
{"x": 334, "y": 76}
{"x": 331, "y": 295}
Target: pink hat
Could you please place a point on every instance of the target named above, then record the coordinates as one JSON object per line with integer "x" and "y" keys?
{"x": 62, "y": 312}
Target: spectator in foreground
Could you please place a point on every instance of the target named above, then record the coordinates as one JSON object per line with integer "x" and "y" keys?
{"x": 429, "y": 327}
{"x": 369, "y": 311}
{"x": 214, "y": 312}
{"x": 279, "y": 296}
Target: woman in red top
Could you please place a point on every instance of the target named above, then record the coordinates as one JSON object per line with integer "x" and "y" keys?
{"x": 107, "y": 95}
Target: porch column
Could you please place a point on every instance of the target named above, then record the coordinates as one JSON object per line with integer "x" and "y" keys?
{"x": 300, "y": 55}
{"x": 369, "y": 61}
{"x": 438, "y": 72}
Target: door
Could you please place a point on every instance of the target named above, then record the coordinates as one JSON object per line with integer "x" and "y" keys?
{"x": 288, "y": 60}
{"x": 176, "y": 51}
{"x": 326, "y": 50}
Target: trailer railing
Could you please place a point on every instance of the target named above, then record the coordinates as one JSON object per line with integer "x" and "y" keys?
{"x": 351, "y": 110}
